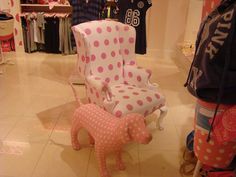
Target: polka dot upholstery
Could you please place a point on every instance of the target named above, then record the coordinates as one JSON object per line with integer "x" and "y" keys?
{"x": 136, "y": 75}
{"x": 106, "y": 61}
{"x": 135, "y": 99}
{"x": 99, "y": 50}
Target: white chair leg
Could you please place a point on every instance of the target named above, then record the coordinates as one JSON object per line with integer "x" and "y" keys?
{"x": 197, "y": 169}
{"x": 163, "y": 113}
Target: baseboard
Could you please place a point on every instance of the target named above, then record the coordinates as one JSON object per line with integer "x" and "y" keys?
{"x": 182, "y": 61}
{"x": 157, "y": 53}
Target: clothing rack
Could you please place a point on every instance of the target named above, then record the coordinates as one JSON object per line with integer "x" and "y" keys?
{"x": 45, "y": 8}
{"x": 47, "y": 29}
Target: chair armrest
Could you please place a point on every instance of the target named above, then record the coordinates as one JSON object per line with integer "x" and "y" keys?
{"x": 99, "y": 84}
{"x": 138, "y": 76}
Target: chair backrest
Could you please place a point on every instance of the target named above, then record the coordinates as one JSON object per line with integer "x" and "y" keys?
{"x": 103, "y": 47}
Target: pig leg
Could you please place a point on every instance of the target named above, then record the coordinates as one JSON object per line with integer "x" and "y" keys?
{"x": 119, "y": 163}
{"x": 91, "y": 139}
{"x": 101, "y": 158}
{"x": 74, "y": 135}
{"x": 160, "y": 119}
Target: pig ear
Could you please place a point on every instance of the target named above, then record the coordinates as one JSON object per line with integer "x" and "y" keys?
{"x": 145, "y": 122}
{"x": 128, "y": 132}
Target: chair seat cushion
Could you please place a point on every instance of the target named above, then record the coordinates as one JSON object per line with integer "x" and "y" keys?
{"x": 133, "y": 99}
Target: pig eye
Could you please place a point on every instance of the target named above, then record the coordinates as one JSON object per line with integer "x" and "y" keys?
{"x": 145, "y": 122}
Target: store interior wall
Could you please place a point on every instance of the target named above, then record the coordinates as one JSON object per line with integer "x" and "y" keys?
{"x": 174, "y": 22}
{"x": 166, "y": 25}
{"x": 193, "y": 20}
{"x": 5, "y": 5}
{"x": 169, "y": 22}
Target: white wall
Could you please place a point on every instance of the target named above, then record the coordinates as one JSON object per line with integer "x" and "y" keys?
{"x": 166, "y": 23}
{"x": 5, "y": 6}
{"x": 157, "y": 19}
{"x": 194, "y": 20}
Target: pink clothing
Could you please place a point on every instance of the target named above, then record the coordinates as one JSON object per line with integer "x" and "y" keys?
{"x": 214, "y": 154}
{"x": 221, "y": 174}
{"x": 225, "y": 126}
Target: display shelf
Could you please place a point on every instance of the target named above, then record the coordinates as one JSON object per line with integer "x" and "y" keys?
{"x": 45, "y": 8}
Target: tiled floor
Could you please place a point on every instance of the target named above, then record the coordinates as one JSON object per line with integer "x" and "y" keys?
{"x": 36, "y": 105}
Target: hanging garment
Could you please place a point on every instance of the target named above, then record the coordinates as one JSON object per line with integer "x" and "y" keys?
{"x": 212, "y": 76}
{"x": 133, "y": 12}
{"x": 61, "y": 34}
{"x": 42, "y": 1}
{"x": 52, "y": 35}
{"x": 110, "y": 10}
{"x": 45, "y": 32}
{"x": 84, "y": 11}
{"x": 33, "y": 46}
{"x": 65, "y": 36}
{"x": 90, "y": 10}
{"x": 24, "y": 32}
{"x": 28, "y": 33}
{"x": 40, "y": 24}
{"x": 35, "y": 32}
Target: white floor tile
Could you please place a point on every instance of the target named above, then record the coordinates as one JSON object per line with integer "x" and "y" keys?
{"x": 36, "y": 107}
{"x": 163, "y": 140}
{"x": 7, "y": 123}
{"x": 130, "y": 158}
{"x": 18, "y": 158}
{"x": 62, "y": 161}
{"x": 32, "y": 130}
{"x": 159, "y": 163}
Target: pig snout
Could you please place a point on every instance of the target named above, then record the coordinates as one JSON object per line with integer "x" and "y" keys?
{"x": 147, "y": 139}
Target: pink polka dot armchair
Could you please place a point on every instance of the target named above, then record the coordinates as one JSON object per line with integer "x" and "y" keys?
{"x": 106, "y": 62}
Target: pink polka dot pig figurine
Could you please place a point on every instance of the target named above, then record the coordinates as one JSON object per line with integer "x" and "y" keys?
{"x": 108, "y": 133}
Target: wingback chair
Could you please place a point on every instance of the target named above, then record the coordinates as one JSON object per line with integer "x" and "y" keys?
{"x": 106, "y": 62}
